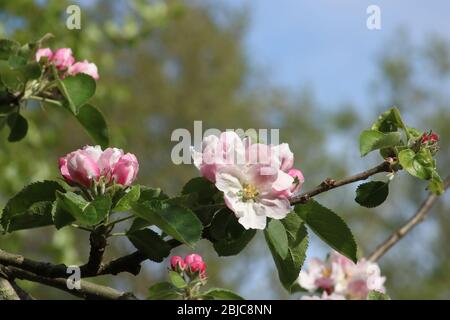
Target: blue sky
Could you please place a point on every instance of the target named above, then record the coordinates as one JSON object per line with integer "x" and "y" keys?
{"x": 325, "y": 44}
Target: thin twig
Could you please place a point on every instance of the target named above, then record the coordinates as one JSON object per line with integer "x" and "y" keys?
{"x": 418, "y": 217}
{"x": 329, "y": 184}
{"x": 112, "y": 223}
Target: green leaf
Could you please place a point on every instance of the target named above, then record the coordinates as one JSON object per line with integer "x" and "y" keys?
{"x": 436, "y": 185}
{"x": 176, "y": 221}
{"x": 204, "y": 188}
{"x": 289, "y": 266}
{"x": 78, "y": 90}
{"x": 18, "y": 126}
{"x": 87, "y": 213}
{"x": 221, "y": 294}
{"x": 126, "y": 201}
{"x": 7, "y": 48}
{"x": 138, "y": 224}
{"x": 376, "y": 295}
{"x": 93, "y": 121}
{"x": 419, "y": 165}
{"x": 389, "y": 121}
{"x": 148, "y": 194}
{"x": 150, "y": 243}
{"x": 329, "y": 227}
{"x": 11, "y": 78}
{"x": 373, "y": 140}
{"x": 31, "y": 207}
{"x": 16, "y": 61}
{"x": 229, "y": 237}
{"x": 372, "y": 194}
{"x": 61, "y": 217}
{"x": 276, "y": 234}
{"x": 177, "y": 280}
{"x": 163, "y": 291}
{"x": 101, "y": 206}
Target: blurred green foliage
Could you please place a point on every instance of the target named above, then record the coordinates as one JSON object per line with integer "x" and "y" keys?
{"x": 165, "y": 64}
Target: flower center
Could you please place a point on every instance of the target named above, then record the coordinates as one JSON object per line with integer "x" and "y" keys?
{"x": 326, "y": 272}
{"x": 249, "y": 192}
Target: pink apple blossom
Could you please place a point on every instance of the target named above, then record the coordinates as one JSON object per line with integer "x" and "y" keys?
{"x": 252, "y": 195}
{"x": 254, "y": 177}
{"x": 91, "y": 164}
{"x": 63, "y": 58}
{"x": 84, "y": 67}
{"x": 44, "y": 52}
{"x": 339, "y": 275}
{"x": 227, "y": 149}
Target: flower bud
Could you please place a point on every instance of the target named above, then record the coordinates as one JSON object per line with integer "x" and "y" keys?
{"x": 430, "y": 137}
{"x": 198, "y": 267}
{"x": 63, "y": 58}
{"x": 125, "y": 170}
{"x": 177, "y": 263}
{"x": 84, "y": 67}
{"x": 82, "y": 168}
{"x": 44, "y": 52}
{"x": 193, "y": 258}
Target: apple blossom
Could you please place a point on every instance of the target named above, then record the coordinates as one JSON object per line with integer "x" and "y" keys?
{"x": 63, "y": 58}
{"x": 254, "y": 196}
{"x": 254, "y": 177}
{"x": 44, "y": 52}
{"x": 84, "y": 67}
{"x": 227, "y": 149}
{"x": 339, "y": 275}
{"x": 91, "y": 164}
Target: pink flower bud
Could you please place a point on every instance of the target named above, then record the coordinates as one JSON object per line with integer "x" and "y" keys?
{"x": 430, "y": 137}
{"x": 198, "y": 267}
{"x": 82, "y": 168}
{"x": 89, "y": 164}
{"x": 84, "y": 67}
{"x": 109, "y": 159}
{"x": 125, "y": 170}
{"x": 177, "y": 263}
{"x": 44, "y": 52}
{"x": 191, "y": 258}
{"x": 64, "y": 170}
{"x": 298, "y": 180}
{"x": 63, "y": 58}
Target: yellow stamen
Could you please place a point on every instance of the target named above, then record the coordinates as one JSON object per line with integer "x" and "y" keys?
{"x": 249, "y": 192}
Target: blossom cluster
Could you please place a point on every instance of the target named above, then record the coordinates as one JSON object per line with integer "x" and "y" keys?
{"x": 192, "y": 264}
{"x": 430, "y": 138}
{"x": 91, "y": 165}
{"x": 256, "y": 179}
{"x": 63, "y": 60}
{"x": 339, "y": 278}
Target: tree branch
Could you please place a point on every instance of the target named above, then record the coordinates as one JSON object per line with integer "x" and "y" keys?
{"x": 129, "y": 263}
{"x": 418, "y": 217}
{"x": 88, "y": 290}
{"x": 9, "y": 290}
{"x": 98, "y": 243}
{"x": 329, "y": 184}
